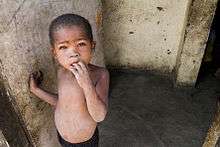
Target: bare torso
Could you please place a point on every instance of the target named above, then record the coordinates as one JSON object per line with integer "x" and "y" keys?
{"x": 72, "y": 118}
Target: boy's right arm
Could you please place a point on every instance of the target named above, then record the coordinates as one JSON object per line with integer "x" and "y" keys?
{"x": 42, "y": 94}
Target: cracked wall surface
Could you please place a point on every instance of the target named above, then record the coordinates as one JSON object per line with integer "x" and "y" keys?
{"x": 24, "y": 46}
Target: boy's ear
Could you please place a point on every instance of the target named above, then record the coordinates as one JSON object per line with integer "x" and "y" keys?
{"x": 93, "y": 45}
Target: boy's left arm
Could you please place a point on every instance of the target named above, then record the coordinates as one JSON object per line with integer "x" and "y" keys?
{"x": 96, "y": 96}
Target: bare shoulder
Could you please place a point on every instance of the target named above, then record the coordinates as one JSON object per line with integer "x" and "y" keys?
{"x": 61, "y": 73}
{"x": 101, "y": 72}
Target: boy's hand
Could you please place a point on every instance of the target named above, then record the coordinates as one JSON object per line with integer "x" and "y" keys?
{"x": 35, "y": 80}
{"x": 81, "y": 73}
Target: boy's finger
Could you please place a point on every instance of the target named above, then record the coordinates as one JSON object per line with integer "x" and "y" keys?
{"x": 41, "y": 75}
{"x": 79, "y": 69}
{"x": 31, "y": 77}
{"x": 74, "y": 71}
{"x": 82, "y": 66}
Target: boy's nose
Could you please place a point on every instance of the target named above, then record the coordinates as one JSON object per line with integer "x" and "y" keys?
{"x": 74, "y": 55}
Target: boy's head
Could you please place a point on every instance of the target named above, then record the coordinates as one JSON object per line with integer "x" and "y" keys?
{"x": 68, "y": 20}
{"x": 71, "y": 39}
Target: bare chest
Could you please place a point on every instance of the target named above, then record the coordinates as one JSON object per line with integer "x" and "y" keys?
{"x": 69, "y": 89}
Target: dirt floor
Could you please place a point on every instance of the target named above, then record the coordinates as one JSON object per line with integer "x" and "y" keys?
{"x": 146, "y": 111}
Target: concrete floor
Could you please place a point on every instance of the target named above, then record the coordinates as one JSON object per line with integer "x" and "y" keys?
{"x": 146, "y": 111}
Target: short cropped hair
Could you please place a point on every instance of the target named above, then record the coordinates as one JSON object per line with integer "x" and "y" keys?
{"x": 69, "y": 20}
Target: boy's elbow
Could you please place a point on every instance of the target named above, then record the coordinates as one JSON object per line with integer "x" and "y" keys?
{"x": 101, "y": 117}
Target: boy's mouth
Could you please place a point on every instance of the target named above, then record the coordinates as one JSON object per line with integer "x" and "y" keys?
{"x": 74, "y": 63}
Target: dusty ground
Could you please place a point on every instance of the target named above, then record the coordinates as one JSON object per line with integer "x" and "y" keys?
{"x": 146, "y": 111}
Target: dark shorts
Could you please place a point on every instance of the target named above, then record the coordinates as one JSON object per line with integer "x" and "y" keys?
{"x": 92, "y": 142}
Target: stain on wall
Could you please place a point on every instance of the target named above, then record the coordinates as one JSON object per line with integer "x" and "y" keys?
{"x": 143, "y": 34}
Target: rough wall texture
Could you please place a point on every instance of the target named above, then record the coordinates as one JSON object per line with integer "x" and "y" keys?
{"x": 198, "y": 26}
{"x": 3, "y": 141}
{"x": 10, "y": 125}
{"x": 25, "y": 47}
{"x": 143, "y": 33}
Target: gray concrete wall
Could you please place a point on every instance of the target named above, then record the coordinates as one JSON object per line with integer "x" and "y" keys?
{"x": 24, "y": 48}
{"x": 143, "y": 33}
{"x": 166, "y": 36}
{"x": 195, "y": 37}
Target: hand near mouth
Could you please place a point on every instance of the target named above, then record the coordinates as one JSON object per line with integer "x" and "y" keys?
{"x": 81, "y": 74}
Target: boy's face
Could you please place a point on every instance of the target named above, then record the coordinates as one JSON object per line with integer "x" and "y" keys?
{"x": 71, "y": 45}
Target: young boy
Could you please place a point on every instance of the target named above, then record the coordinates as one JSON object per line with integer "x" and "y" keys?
{"x": 82, "y": 99}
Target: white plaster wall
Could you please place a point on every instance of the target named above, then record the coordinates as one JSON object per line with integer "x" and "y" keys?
{"x": 143, "y": 33}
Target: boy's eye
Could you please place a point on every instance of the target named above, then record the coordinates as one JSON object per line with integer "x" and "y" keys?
{"x": 81, "y": 44}
{"x": 62, "y": 47}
